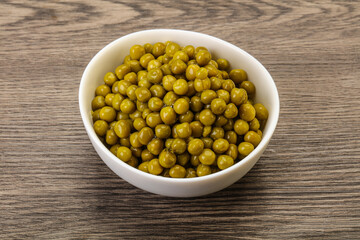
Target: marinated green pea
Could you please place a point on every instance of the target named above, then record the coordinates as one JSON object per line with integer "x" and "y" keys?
{"x": 238, "y": 75}
{"x": 194, "y": 160}
{"x": 186, "y": 117}
{"x": 181, "y": 106}
{"x": 207, "y": 130}
{"x": 130, "y": 92}
{"x": 207, "y": 96}
{"x": 245, "y": 148}
{"x": 220, "y": 146}
{"x": 122, "y": 116}
{"x": 217, "y": 132}
{"x": 136, "y": 52}
{"x": 154, "y": 167}
{"x": 95, "y": 115}
{"x": 190, "y": 173}
{"x": 183, "y": 130}
{"x": 195, "y": 104}
{"x": 111, "y": 137}
{"x": 148, "y": 47}
{"x": 223, "y": 64}
{"x": 135, "y": 114}
{"x": 218, "y": 106}
{"x": 238, "y": 96}
{"x": 216, "y": 83}
{"x": 122, "y": 129}
{"x": 145, "y": 135}
{"x": 252, "y": 137}
{"x": 124, "y": 153}
{"x": 145, "y": 59}
{"x": 202, "y": 84}
{"x": 203, "y": 57}
{"x": 196, "y": 128}
{"x": 155, "y": 104}
{"x": 127, "y": 106}
{"x": 144, "y": 167}
{"x": 136, "y": 152}
{"x": 133, "y": 162}
{"x": 190, "y": 72}
{"x": 125, "y": 142}
{"x": 102, "y": 90}
{"x": 178, "y": 146}
{"x": 153, "y": 119}
{"x": 212, "y": 70}
{"x": 241, "y": 127}
{"x": 231, "y": 111}
{"x": 207, "y": 157}
{"x": 168, "y": 143}
{"x": 143, "y": 94}
{"x": 172, "y": 48}
{"x": 166, "y": 69}
{"x": 157, "y": 91}
{"x": 154, "y": 64}
{"x": 228, "y": 85}
{"x": 221, "y": 121}
{"x": 247, "y": 112}
{"x": 165, "y": 172}
{"x": 162, "y": 131}
{"x": 249, "y": 87}
{"x": 259, "y": 132}
{"x": 195, "y": 146}
{"x": 229, "y": 126}
{"x": 170, "y": 98}
{"x": 203, "y": 170}
{"x": 139, "y": 123}
{"x": 180, "y": 87}
{"x": 97, "y": 102}
{"x": 123, "y": 86}
{"x": 207, "y": 118}
{"x": 131, "y": 77}
{"x": 158, "y": 49}
{"x": 114, "y": 87}
{"x": 155, "y": 75}
{"x": 168, "y": 82}
{"x": 146, "y": 155}
{"x": 181, "y": 55}
{"x": 167, "y": 159}
{"x": 117, "y": 100}
{"x": 168, "y": 115}
{"x": 223, "y": 94}
{"x": 254, "y": 125}
{"x": 134, "y": 140}
{"x": 190, "y": 51}
{"x": 122, "y": 70}
{"x": 231, "y": 137}
{"x": 109, "y": 98}
{"x": 142, "y": 75}
{"x": 110, "y": 78}
{"x": 261, "y": 111}
{"x": 224, "y": 161}
{"x": 177, "y": 171}
{"x": 232, "y": 151}
{"x": 155, "y": 146}
{"x": 135, "y": 67}
{"x": 107, "y": 113}
{"x": 100, "y": 127}
{"x": 114, "y": 149}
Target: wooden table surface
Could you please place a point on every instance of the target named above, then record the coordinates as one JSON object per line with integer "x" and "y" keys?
{"x": 306, "y": 185}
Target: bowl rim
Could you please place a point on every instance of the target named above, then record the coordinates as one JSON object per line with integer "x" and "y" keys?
{"x": 94, "y": 138}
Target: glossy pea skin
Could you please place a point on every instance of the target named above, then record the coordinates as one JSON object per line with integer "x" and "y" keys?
{"x": 183, "y": 130}
{"x": 177, "y": 171}
{"x": 218, "y": 106}
{"x": 190, "y": 173}
{"x": 178, "y": 146}
{"x": 144, "y": 167}
{"x": 207, "y": 157}
{"x": 122, "y": 129}
{"x": 207, "y": 118}
{"x": 153, "y": 119}
{"x": 124, "y": 153}
{"x": 241, "y": 127}
{"x": 168, "y": 82}
{"x": 107, "y": 113}
{"x": 168, "y": 115}
{"x": 245, "y": 148}
{"x": 181, "y": 106}
{"x": 203, "y": 57}
{"x": 195, "y": 146}
{"x": 110, "y": 78}
{"x": 196, "y": 128}
{"x": 100, "y": 127}
{"x": 247, "y": 112}
{"x": 224, "y": 161}
{"x": 162, "y": 131}
{"x": 145, "y": 135}
{"x": 261, "y": 111}
{"x": 203, "y": 170}
{"x": 155, "y": 104}
{"x": 111, "y": 138}
{"x": 102, "y": 90}
{"x": 146, "y": 155}
{"x": 136, "y": 52}
{"x": 238, "y": 96}
{"x": 127, "y": 106}
{"x": 220, "y": 145}
{"x": 186, "y": 117}
{"x": 232, "y": 151}
{"x": 154, "y": 167}
{"x": 238, "y": 75}
{"x": 231, "y": 111}
{"x": 155, "y": 146}
{"x": 252, "y": 137}
{"x": 97, "y": 103}
{"x": 249, "y": 87}
{"x": 180, "y": 87}
{"x": 167, "y": 159}
{"x": 157, "y": 91}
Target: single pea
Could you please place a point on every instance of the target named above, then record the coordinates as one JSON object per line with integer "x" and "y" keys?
{"x": 114, "y": 87}
{"x": 146, "y": 155}
{"x": 223, "y": 94}
{"x": 124, "y": 153}
{"x": 145, "y": 135}
{"x": 190, "y": 173}
{"x": 100, "y": 127}
{"x": 183, "y": 158}
{"x": 122, "y": 129}
{"x": 203, "y": 170}
{"x": 131, "y": 77}
{"x": 155, "y": 75}
{"x": 245, "y": 148}
{"x": 186, "y": 117}
{"x": 259, "y": 132}
{"x": 195, "y": 146}
{"x": 231, "y": 137}
{"x": 97, "y": 103}
{"x": 168, "y": 115}
{"x": 133, "y": 162}
{"x": 252, "y": 137}
{"x": 136, "y": 152}
{"x": 135, "y": 67}
{"x": 228, "y": 85}
{"x": 230, "y": 125}
{"x": 135, "y": 114}
{"x": 122, "y": 70}
{"x": 190, "y": 51}
{"x": 153, "y": 119}
{"x": 110, "y": 78}
{"x": 122, "y": 116}
{"x": 127, "y": 106}
{"x": 170, "y": 98}
{"x": 142, "y": 75}
{"x": 154, "y": 167}
{"x": 125, "y": 142}
{"x": 203, "y": 57}
{"x": 207, "y": 96}
{"x": 123, "y": 86}
{"x": 107, "y": 113}
{"x": 231, "y": 111}
{"x": 102, "y": 90}
{"x": 241, "y": 127}
{"x": 195, "y": 104}
{"x": 196, "y": 128}
{"x": 143, "y": 94}
{"x": 224, "y": 161}
{"x": 168, "y": 82}
{"x": 254, "y": 124}
{"x": 183, "y": 130}
{"x": 207, "y": 157}
{"x": 247, "y": 112}
{"x": 232, "y": 151}
{"x": 207, "y": 130}
{"x": 212, "y": 70}
{"x": 166, "y": 69}
{"x": 139, "y": 123}
{"x": 261, "y": 111}
{"x": 134, "y": 140}
{"x": 114, "y": 149}
{"x": 218, "y": 106}
{"x": 207, "y": 118}
{"x": 238, "y": 75}
{"x": 158, "y": 49}
{"x": 145, "y": 59}
{"x": 155, "y": 104}
{"x": 190, "y": 72}
{"x": 109, "y": 98}
{"x": 181, "y": 106}
{"x": 223, "y": 63}
{"x": 167, "y": 159}
{"x": 172, "y": 48}
{"x": 194, "y": 160}
{"x": 180, "y": 87}
{"x": 249, "y": 87}
{"x": 202, "y": 84}
{"x": 238, "y": 96}
{"x": 181, "y": 55}
{"x": 144, "y": 167}
{"x": 177, "y": 171}
{"x": 111, "y": 138}
{"x": 216, "y": 83}
{"x": 162, "y": 131}
{"x": 217, "y": 132}
{"x": 157, "y": 91}
{"x": 220, "y": 145}
{"x": 148, "y": 47}
{"x": 136, "y": 52}
{"x": 155, "y": 146}
{"x": 178, "y": 146}
{"x": 130, "y": 92}
{"x": 95, "y": 115}
{"x": 117, "y": 100}
{"x": 221, "y": 121}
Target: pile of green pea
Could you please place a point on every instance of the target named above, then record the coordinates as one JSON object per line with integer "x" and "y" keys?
{"x": 176, "y": 112}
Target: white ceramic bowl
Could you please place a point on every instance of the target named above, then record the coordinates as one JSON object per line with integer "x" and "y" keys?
{"x": 112, "y": 55}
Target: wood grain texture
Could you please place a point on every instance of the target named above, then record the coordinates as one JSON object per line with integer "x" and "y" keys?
{"x": 305, "y": 186}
